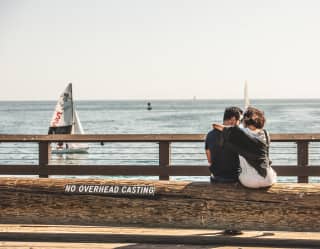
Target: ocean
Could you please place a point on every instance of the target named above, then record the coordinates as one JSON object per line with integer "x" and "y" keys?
{"x": 167, "y": 116}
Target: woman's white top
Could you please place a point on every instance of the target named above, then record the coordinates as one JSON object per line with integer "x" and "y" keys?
{"x": 248, "y": 176}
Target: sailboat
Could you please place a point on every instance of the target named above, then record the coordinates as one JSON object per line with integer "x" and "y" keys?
{"x": 246, "y": 96}
{"x": 65, "y": 120}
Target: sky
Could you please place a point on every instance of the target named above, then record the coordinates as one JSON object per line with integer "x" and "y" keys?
{"x": 166, "y": 49}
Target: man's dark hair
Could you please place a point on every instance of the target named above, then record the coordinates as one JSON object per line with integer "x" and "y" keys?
{"x": 232, "y": 111}
{"x": 255, "y": 117}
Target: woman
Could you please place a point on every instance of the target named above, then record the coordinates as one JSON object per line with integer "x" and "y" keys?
{"x": 252, "y": 144}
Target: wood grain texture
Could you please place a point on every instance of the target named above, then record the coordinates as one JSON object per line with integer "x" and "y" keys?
{"x": 289, "y": 207}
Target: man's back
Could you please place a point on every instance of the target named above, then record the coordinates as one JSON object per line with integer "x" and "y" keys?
{"x": 224, "y": 162}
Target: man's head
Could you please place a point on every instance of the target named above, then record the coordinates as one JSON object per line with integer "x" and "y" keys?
{"x": 232, "y": 116}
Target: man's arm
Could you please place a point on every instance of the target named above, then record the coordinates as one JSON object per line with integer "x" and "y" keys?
{"x": 208, "y": 153}
{"x": 206, "y": 146}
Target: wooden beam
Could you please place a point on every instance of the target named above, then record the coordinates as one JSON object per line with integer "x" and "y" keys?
{"x": 303, "y": 158}
{"x": 19, "y": 169}
{"x": 297, "y": 171}
{"x": 288, "y": 207}
{"x": 293, "y": 137}
{"x": 138, "y": 170}
{"x": 105, "y": 138}
{"x": 164, "y": 160}
{"x": 44, "y": 152}
{"x": 132, "y": 170}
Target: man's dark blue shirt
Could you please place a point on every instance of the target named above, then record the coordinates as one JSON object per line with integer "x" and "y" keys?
{"x": 224, "y": 162}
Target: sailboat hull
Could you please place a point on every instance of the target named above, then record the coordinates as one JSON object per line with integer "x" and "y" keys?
{"x": 80, "y": 150}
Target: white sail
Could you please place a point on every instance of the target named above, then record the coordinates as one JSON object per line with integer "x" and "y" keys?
{"x": 77, "y": 127}
{"x": 246, "y": 96}
{"x": 62, "y": 115}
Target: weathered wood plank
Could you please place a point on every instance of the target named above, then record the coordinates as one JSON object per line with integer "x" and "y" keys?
{"x": 290, "y": 207}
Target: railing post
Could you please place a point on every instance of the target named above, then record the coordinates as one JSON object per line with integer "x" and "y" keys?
{"x": 164, "y": 158}
{"x": 303, "y": 158}
{"x": 44, "y": 154}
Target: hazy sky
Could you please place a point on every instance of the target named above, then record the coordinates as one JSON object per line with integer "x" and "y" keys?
{"x": 159, "y": 49}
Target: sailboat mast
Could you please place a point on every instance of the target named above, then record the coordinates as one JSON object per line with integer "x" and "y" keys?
{"x": 72, "y": 107}
{"x": 246, "y": 96}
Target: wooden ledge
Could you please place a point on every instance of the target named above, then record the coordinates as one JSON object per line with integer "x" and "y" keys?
{"x": 287, "y": 207}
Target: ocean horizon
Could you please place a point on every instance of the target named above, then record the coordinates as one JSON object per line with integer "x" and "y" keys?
{"x": 193, "y": 98}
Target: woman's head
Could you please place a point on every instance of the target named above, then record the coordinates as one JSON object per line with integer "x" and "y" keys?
{"x": 254, "y": 117}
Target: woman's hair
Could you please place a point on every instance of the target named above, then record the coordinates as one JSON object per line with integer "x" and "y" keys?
{"x": 254, "y": 117}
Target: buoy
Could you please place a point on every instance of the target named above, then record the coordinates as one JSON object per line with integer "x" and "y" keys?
{"x": 149, "y": 106}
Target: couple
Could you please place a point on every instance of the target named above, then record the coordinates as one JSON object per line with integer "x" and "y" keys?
{"x": 240, "y": 152}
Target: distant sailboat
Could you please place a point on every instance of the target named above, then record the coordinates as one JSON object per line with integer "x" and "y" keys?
{"x": 65, "y": 120}
{"x": 246, "y": 96}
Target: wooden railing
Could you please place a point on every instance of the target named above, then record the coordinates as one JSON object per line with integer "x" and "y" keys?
{"x": 163, "y": 170}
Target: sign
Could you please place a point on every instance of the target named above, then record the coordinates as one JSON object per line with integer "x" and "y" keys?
{"x": 125, "y": 190}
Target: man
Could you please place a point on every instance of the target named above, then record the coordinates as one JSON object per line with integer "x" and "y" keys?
{"x": 224, "y": 164}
